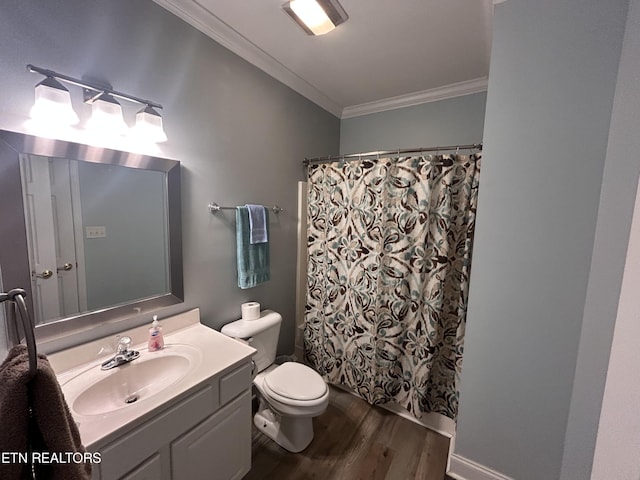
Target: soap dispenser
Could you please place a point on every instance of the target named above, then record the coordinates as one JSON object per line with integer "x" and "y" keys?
{"x": 156, "y": 339}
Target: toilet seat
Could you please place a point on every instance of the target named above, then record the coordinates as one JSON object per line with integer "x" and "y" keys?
{"x": 295, "y": 384}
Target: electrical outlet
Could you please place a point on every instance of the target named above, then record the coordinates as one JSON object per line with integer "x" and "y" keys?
{"x": 96, "y": 232}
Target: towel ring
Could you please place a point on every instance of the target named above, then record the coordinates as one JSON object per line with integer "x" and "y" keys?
{"x": 16, "y": 296}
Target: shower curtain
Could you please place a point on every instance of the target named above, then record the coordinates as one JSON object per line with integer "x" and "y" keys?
{"x": 389, "y": 255}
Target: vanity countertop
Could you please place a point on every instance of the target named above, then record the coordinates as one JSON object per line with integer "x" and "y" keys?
{"x": 215, "y": 354}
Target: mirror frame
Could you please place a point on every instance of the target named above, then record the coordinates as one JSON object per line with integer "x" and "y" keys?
{"x": 14, "y": 255}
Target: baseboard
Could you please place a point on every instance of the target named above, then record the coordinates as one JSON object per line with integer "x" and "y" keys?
{"x": 433, "y": 421}
{"x": 464, "y": 469}
{"x": 438, "y": 423}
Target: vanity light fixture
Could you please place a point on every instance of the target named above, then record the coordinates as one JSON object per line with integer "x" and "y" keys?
{"x": 106, "y": 116}
{"x": 316, "y": 17}
{"x": 149, "y": 125}
{"x": 53, "y": 105}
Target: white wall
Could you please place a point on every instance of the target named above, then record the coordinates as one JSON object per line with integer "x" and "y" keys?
{"x": 240, "y": 135}
{"x": 551, "y": 87}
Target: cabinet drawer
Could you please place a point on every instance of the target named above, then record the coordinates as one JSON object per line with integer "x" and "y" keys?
{"x": 124, "y": 454}
{"x": 234, "y": 382}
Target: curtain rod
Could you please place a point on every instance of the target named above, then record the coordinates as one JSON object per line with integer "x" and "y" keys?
{"x": 356, "y": 156}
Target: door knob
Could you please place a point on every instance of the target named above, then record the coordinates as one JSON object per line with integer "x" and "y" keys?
{"x": 45, "y": 274}
{"x": 66, "y": 267}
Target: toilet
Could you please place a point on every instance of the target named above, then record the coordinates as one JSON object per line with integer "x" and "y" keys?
{"x": 290, "y": 394}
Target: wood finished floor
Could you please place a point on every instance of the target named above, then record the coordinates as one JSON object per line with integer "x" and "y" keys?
{"x": 354, "y": 441}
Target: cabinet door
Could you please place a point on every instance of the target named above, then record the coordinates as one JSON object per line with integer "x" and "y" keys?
{"x": 126, "y": 452}
{"x": 219, "y": 448}
{"x": 149, "y": 470}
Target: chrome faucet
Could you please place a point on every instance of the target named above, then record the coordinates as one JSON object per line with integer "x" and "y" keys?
{"x": 123, "y": 354}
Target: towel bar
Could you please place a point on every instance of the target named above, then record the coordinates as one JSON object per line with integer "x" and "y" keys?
{"x": 215, "y": 208}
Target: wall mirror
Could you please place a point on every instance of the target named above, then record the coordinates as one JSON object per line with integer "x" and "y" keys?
{"x": 92, "y": 234}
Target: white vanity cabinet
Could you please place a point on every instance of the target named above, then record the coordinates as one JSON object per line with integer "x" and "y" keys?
{"x": 203, "y": 434}
{"x": 218, "y": 447}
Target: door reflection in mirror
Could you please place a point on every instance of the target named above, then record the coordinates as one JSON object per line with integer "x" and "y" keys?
{"x": 97, "y": 234}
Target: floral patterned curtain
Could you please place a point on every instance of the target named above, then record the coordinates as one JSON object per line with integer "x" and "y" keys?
{"x": 389, "y": 247}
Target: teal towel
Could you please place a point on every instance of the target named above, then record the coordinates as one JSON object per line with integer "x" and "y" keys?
{"x": 252, "y": 259}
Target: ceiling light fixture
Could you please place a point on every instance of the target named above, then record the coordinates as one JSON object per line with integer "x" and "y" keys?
{"x": 53, "y": 105}
{"x": 316, "y": 17}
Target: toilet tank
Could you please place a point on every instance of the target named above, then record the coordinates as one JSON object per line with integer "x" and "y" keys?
{"x": 262, "y": 334}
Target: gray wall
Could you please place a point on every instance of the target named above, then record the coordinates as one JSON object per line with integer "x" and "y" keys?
{"x": 453, "y": 121}
{"x": 130, "y": 262}
{"x": 240, "y": 135}
{"x": 551, "y": 86}
{"x": 619, "y": 184}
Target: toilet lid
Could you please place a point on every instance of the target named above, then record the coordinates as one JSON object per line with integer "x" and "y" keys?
{"x": 296, "y": 381}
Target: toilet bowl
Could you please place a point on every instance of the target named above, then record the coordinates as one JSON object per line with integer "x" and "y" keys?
{"x": 290, "y": 394}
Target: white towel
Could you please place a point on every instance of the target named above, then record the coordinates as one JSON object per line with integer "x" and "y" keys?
{"x": 257, "y": 224}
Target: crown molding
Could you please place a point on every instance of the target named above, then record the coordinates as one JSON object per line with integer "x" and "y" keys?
{"x": 195, "y": 14}
{"x": 417, "y": 98}
{"x": 199, "y": 17}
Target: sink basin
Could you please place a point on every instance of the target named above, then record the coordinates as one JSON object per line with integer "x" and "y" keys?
{"x": 97, "y": 392}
